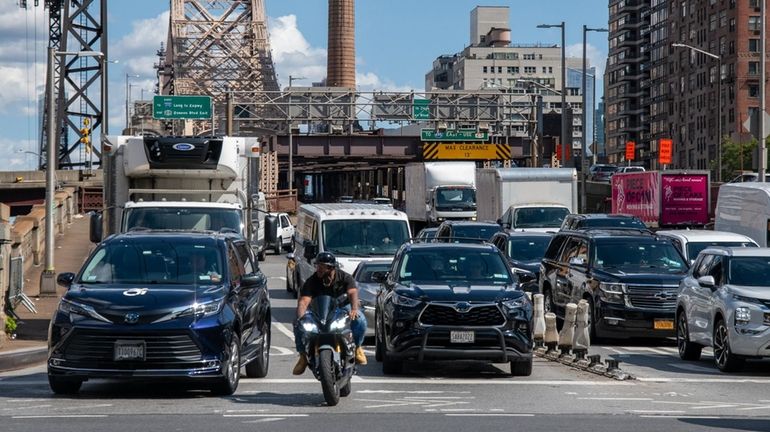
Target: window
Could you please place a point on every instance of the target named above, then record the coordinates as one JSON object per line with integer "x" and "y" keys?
{"x": 754, "y": 23}
{"x": 246, "y": 258}
{"x": 754, "y": 45}
{"x": 530, "y": 69}
{"x": 484, "y": 69}
{"x": 753, "y": 90}
{"x": 753, "y": 68}
{"x": 713, "y": 22}
{"x": 499, "y": 69}
{"x": 716, "y": 270}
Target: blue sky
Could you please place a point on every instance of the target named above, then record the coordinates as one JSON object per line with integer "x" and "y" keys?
{"x": 396, "y": 41}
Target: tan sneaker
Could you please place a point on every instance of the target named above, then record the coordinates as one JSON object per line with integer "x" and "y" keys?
{"x": 360, "y": 356}
{"x": 301, "y": 365}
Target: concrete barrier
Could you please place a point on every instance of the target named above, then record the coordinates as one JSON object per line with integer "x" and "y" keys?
{"x": 582, "y": 339}
{"x": 568, "y": 329}
{"x": 538, "y": 318}
{"x": 551, "y": 337}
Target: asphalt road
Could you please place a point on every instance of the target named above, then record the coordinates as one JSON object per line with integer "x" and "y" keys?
{"x": 667, "y": 394}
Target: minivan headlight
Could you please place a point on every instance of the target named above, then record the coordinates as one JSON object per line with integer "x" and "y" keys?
{"x": 205, "y": 309}
{"x": 612, "y": 292}
{"x": 70, "y": 308}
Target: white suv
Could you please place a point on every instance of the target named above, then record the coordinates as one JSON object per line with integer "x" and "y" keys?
{"x": 285, "y": 235}
{"x": 724, "y": 302}
{"x": 691, "y": 242}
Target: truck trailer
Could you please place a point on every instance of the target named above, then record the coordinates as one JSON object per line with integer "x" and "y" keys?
{"x": 439, "y": 191}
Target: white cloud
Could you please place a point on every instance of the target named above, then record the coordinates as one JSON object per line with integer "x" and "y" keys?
{"x": 596, "y": 57}
{"x": 136, "y": 50}
{"x": 18, "y": 161}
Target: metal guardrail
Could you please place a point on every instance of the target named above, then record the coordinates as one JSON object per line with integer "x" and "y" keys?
{"x": 16, "y": 294}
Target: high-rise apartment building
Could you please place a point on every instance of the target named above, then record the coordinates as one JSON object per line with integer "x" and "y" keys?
{"x": 655, "y": 90}
{"x": 490, "y": 61}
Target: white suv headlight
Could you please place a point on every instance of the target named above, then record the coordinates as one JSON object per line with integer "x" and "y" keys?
{"x": 742, "y": 315}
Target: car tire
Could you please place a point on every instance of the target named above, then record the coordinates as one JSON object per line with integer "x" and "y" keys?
{"x": 259, "y": 366}
{"x": 378, "y": 344}
{"x": 548, "y": 303}
{"x": 261, "y": 255}
{"x": 687, "y": 350}
{"x": 64, "y": 385}
{"x": 346, "y": 389}
{"x": 278, "y": 246}
{"x": 724, "y": 358}
{"x": 227, "y": 384}
{"x": 592, "y": 322}
{"x": 391, "y": 366}
{"x": 290, "y": 247}
{"x": 521, "y": 367}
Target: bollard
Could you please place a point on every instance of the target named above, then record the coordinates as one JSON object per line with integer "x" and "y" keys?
{"x": 582, "y": 338}
{"x": 612, "y": 364}
{"x": 568, "y": 329}
{"x": 538, "y": 332}
{"x": 551, "y": 337}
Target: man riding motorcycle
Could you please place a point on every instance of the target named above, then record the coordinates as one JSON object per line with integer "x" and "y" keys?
{"x": 329, "y": 280}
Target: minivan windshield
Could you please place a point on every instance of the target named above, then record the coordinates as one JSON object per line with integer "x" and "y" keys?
{"x": 749, "y": 271}
{"x": 453, "y": 264}
{"x": 155, "y": 262}
{"x": 188, "y": 218}
{"x": 647, "y": 255}
{"x": 364, "y": 237}
{"x": 483, "y": 232}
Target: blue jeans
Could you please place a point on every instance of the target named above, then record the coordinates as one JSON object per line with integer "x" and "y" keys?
{"x": 357, "y": 326}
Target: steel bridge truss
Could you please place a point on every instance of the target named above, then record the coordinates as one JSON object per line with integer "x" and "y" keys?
{"x": 215, "y": 46}
{"x": 337, "y": 110}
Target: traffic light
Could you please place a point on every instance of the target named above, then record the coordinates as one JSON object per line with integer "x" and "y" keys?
{"x": 85, "y": 134}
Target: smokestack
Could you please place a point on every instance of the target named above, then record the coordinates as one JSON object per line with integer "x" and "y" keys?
{"x": 341, "y": 63}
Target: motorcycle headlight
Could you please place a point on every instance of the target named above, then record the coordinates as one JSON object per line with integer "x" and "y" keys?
{"x": 339, "y": 323}
{"x": 405, "y": 301}
{"x": 310, "y": 327}
{"x": 71, "y": 308}
{"x": 612, "y": 292}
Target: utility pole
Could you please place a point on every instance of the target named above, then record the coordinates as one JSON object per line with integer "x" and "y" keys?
{"x": 762, "y": 163}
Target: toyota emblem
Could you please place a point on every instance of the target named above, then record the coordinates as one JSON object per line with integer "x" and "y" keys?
{"x": 132, "y": 318}
{"x": 462, "y": 307}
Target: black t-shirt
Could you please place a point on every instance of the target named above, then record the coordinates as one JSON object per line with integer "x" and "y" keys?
{"x": 314, "y": 287}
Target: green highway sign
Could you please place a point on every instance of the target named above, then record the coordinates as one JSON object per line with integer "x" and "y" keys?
{"x": 181, "y": 107}
{"x": 421, "y": 109}
{"x": 453, "y": 135}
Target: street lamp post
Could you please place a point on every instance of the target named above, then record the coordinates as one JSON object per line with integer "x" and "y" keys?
{"x": 719, "y": 101}
{"x": 291, "y": 143}
{"x": 563, "y": 91}
{"x": 47, "y": 277}
{"x": 128, "y": 101}
{"x": 583, "y": 201}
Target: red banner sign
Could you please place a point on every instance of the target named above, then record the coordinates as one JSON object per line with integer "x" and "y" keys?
{"x": 665, "y": 149}
{"x": 630, "y": 150}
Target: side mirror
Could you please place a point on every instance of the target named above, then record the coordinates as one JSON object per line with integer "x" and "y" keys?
{"x": 577, "y": 261}
{"x": 95, "y": 228}
{"x": 310, "y": 250}
{"x": 526, "y": 277}
{"x": 271, "y": 229}
{"x": 707, "y": 281}
{"x": 499, "y": 222}
{"x": 380, "y": 276}
{"x": 65, "y": 279}
{"x": 252, "y": 280}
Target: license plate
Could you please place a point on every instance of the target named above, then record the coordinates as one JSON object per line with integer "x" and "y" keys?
{"x": 462, "y": 337}
{"x": 663, "y": 325}
{"x": 129, "y": 350}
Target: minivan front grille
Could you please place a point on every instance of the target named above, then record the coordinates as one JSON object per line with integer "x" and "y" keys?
{"x": 661, "y": 298}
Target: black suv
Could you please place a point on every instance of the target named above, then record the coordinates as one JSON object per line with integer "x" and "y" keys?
{"x": 455, "y": 231}
{"x": 452, "y": 301}
{"x": 630, "y": 278}
{"x": 184, "y": 305}
{"x": 525, "y": 251}
{"x": 602, "y": 221}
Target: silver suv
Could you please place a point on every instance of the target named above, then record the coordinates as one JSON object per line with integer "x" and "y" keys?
{"x": 724, "y": 302}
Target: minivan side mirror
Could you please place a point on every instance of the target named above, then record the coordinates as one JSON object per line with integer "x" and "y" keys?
{"x": 310, "y": 250}
{"x": 578, "y": 261}
{"x": 707, "y": 281}
{"x": 65, "y": 279}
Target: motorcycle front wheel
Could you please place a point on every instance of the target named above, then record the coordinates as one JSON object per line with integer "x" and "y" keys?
{"x": 328, "y": 378}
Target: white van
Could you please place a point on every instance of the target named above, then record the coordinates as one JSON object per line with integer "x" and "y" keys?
{"x": 352, "y": 232}
{"x": 744, "y": 208}
{"x": 691, "y": 242}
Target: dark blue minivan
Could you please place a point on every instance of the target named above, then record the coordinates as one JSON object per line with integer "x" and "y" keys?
{"x": 176, "y": 305}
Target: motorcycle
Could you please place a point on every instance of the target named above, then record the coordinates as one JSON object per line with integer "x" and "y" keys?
{"x": 329, "y": 346}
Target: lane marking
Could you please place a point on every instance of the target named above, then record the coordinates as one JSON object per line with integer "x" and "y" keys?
{"x": 684, "y": 417}
{"x": 655, "y": 412}
{"x": 704, "y": 380}
{"x": 487, "y": 415}
{"x": 754, "y": 408}
{"x": 27, "y": 407}
{"x": 281, "y": 351}
{"x": 282, "y": 328}
{"x": 615, "y": 398}
{"x": 275, "y": 415}
{"x": 411, "y": 391}
{"x": 713, "y": 406}
{"x": 60, "y": 416}
{"x": 646, "y": 349}
{"x": 501, "y": 381}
